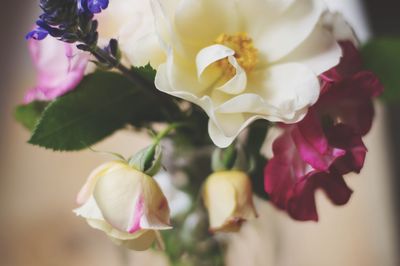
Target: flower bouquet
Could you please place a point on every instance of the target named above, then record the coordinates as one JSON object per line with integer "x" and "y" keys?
{"x": 240, "y": 98}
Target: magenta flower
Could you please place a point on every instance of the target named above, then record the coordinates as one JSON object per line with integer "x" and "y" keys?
{"x": 60, "y": 67}
{"x": 327, "y": 144}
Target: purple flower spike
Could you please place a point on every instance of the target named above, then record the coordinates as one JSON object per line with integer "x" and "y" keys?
{"x": 37, "y": 34}
{"x": 96, "y": 6}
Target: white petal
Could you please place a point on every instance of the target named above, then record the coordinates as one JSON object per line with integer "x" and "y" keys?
{"x": 121, "y": 14}
{"x": 89, "y": 210}
{"x": 139, "y": 244}
{"x": 284, "y": 34}
{"x": 164, "y": 13}
{"x": 257, "y": 13}
{"x": 246, "y": 103}
{"x": 287, "y": 87}
{"x": 199, "y": 23}
{"x": 339, "y": 27}
{"x": 144, "y": 50}
{"x": 224, "y": 128}
{"x": 156, "y": 210}
{"x": 164, "y": 84}
{"x": 218, "y": 136}
{"x": 117, "y": 194}
{"x": 320, "y": 51}
{"x": 111, "y": 231}
{"x": 174, "y": 79}
{"x": 181, "y": 75}
{"x": 237, "y": 84}
{"x": 87, "y": 189}
{"x": 167, "y": 7}
{"x": 211, "y": 54}
{"x": 230, "y": 124}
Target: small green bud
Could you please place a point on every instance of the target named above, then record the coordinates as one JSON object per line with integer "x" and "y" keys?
{"x": 147, "y": 160}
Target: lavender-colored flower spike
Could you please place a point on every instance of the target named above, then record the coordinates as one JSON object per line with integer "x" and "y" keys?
{"x": 96, "y": 6}
{"x": 37, "y": 34}
{"x": 92, "y": 6}
{"x": 70, "y": 21}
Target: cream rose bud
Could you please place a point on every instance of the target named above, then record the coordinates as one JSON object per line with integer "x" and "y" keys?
{"x": 228, "y": 198}
{"x": 125, "y": 203}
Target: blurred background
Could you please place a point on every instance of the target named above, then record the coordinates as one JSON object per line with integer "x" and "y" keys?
{"x": 38, "y": 187}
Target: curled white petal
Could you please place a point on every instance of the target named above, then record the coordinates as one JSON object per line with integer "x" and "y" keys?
{"x": 237, "y": 84}
{"x": 211, "y": 54}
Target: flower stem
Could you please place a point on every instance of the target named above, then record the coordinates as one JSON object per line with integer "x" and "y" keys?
{"x": 160, "y": 241}
{"x": 132, "y": 76}
{"x": 160, "y": 136}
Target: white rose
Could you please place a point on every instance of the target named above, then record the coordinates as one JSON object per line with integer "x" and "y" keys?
{"x": 126, "y": 204}
{"x": 242, "y": 60}
{"x": 132, "y": 23}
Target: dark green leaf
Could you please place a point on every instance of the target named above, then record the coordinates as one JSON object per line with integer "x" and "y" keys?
{"x": 382, "y": 56}
{"x": 147, "y": 72}
{"x": 102, "y": 103}
{"x": 29, "y": 114}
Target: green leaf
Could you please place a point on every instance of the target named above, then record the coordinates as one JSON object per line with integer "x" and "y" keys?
{"x": 146, "y": 71}
{"x": 382, "y": 56}
{"x": 102, "y": 103}
{"x": 29, "y": 114}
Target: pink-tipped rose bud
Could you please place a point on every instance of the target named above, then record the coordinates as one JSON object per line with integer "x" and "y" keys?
{"x": 228, "y": 198}
{"x": 125, "y": 203}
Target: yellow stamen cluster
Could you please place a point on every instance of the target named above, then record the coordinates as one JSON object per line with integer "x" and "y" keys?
{"x": 245, "y": 52}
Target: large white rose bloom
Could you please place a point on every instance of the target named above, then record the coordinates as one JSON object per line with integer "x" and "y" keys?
{"x": 242, "y": 60}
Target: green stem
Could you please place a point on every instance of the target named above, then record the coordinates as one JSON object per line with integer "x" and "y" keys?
{"x": 229, "y": 156}
{"x": 132, "y": 76}
{"x": 160, "y": 136}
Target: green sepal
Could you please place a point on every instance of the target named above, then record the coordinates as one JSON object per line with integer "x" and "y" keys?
{"x": 148, "y": 160}
{"x": 216, "y": 162}
{"x": 231, "y": 158}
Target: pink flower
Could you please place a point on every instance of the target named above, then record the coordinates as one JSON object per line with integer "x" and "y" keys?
{"x": 316, "y": 152}
{"x": 60, "y": 67}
